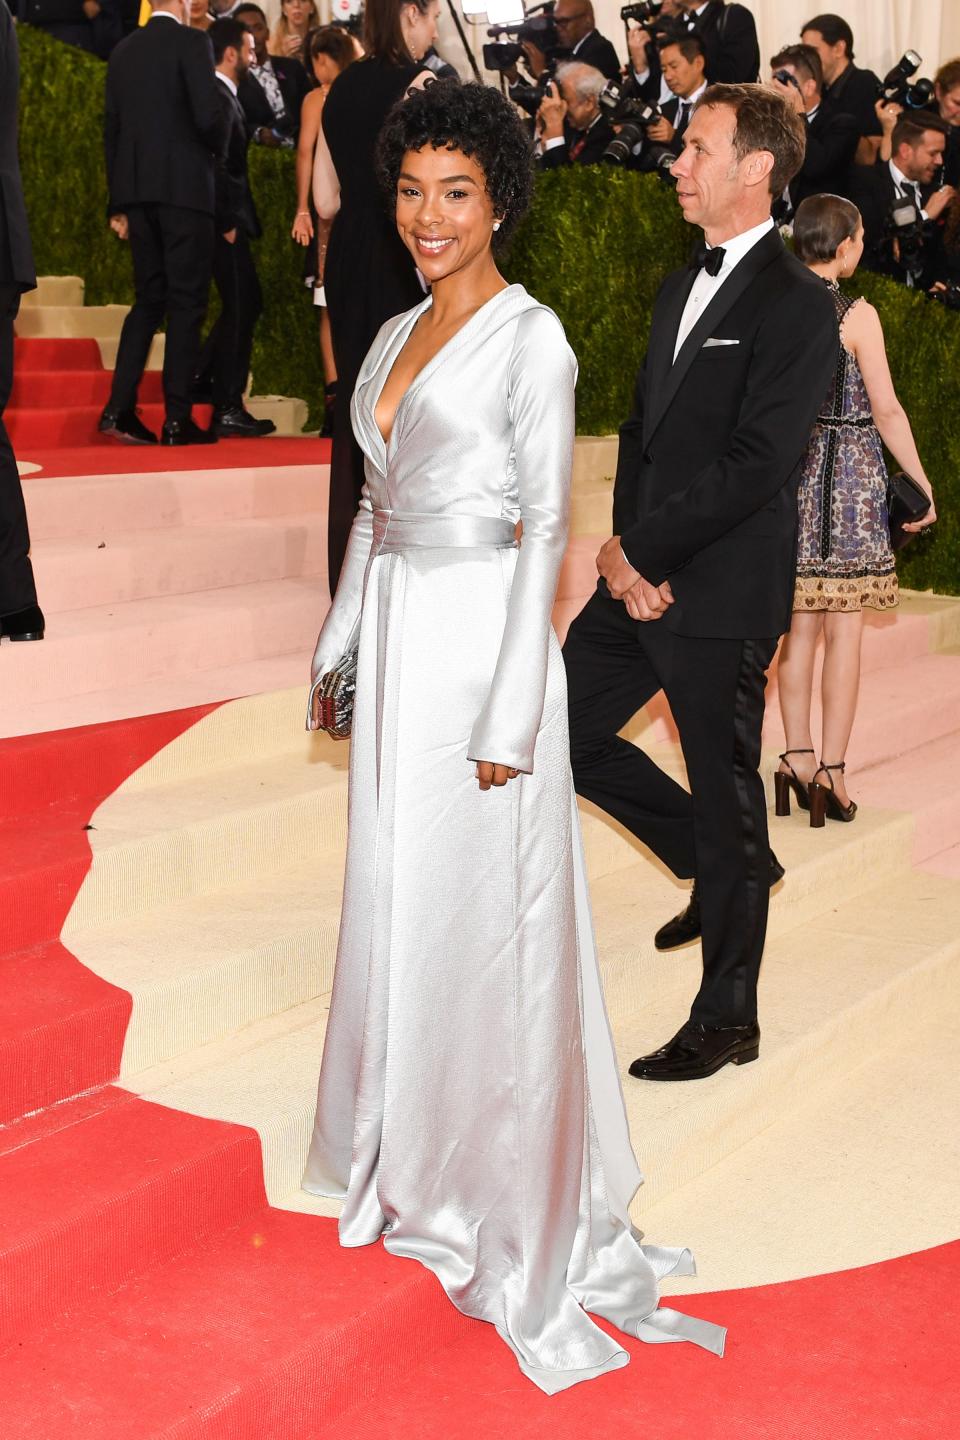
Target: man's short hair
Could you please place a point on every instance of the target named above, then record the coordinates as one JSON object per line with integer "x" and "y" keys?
{"x": 804, "y": 60}
{"x": 226, "y": 34}
{"x": 242, "y": 10}
{"x": 586, "y": 80}
{"x": 833, "y": 28}
{"x": 690, "y": 46}
{"x": 764, "y": 122}
{"x": 910, "y": 129}
{"x": 948, "y": 75}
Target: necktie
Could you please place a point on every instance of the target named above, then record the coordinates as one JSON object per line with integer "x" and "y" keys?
{"x": 683, "y": 115}
{"x": 704, "y": 258}
{"x": 913, "y": 192}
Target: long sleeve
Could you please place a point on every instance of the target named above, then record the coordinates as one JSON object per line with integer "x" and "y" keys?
{"x": 111, "y": 133}
{"x": 343, "y": 616}
{"x": 202, "y": 91}
{"x": 541, "y": 380}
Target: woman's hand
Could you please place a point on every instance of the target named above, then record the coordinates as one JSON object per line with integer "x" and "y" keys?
{"x": 490, "y": 773}
{"x": 302, "y": 230}
{"x": 931, "y": 515}
{"x": 293, "y": 44}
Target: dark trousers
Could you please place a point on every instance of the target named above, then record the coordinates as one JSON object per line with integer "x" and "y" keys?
{"x": 17, "y": 589}
{"x": 226, "y": 352}
{"x": 715, "y": 689}
{"x": 172, "y": 250}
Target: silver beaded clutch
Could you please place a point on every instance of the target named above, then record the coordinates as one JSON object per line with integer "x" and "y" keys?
{"x": 330, "y": 706}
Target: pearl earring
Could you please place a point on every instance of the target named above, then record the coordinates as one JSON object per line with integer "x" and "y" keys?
{"x": 496, "y": 224}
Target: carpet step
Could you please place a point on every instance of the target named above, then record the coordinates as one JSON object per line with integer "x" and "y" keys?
{"x": 36, "y": 356}
{"x": 70, "y": 321}
{"x": 100, "y": 506}
{"x": 923, "y": 781}
{"x": 49, "y": 389}
{"x": 77, "y": 425}
{"x": 143, "y": 564}
{"x": 144, "y": 640}
{"x": 54, "y": 290}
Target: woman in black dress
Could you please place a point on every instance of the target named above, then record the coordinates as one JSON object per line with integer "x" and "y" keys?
{"x": 370, "y": 275}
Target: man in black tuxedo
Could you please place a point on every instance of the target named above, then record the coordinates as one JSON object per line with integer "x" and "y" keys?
{"x": 697, "y": 581}
{"x": 273, "y": 88}
{"x": 907, "y": 179}
{"x": 683, "y": 65}
{"x": 226, "y": 353}
{"x": 847, "y": 88}
{"x": 832, "y": 135}
{"x": 20, "y": 616}
{"x": 581, "y": 40}
{"x": 728, "y": 34}
{"x": 573, "y": 130}
{"x": 163, "y": 130}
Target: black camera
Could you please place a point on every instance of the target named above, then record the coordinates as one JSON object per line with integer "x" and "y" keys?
{"x": 643, "y": 11}
{"x": 539, "y": 30}
{"x": 632, "y": 115}
{"x": 899, "y": 88}
{"x": 905, "y": 232}
{"x": 529, "y": 95}
{"x": 949, "y": 295}
{"x": 786, "y": 77}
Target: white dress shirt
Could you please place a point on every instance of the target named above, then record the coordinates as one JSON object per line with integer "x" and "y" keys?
{"x": 705, "y": 286}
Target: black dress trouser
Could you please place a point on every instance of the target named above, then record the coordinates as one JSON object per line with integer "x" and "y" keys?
{"x": 172, "y": 251}
{"x": 226, "y": 352}
{"x": 17, "y": 588}
{"x": 715, "y": 689}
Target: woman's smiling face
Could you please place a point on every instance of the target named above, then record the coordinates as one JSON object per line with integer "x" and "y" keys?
{"x": 444, "y": 213}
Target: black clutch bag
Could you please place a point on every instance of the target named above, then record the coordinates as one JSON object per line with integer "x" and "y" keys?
{"x": 906, "y": 504}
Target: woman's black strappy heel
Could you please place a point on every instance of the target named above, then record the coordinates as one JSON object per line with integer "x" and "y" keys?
{"x": 783, "y": 783}
{"x": 824, "y": 801}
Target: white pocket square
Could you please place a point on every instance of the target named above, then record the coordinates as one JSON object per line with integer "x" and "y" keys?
{"x": 719, "y": 342}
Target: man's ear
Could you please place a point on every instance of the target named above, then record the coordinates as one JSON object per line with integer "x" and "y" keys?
{"x": 758, "y": 166}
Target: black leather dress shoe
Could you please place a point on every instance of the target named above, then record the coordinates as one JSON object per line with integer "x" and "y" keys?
{"x": 126, "y": 425}
{"x": 239, "y": 422}
{"x": 185, "y": 432}
{"x": 697, "y": 1051}
{"x": 685, "y": 927}
{"x": 26, "y": 624}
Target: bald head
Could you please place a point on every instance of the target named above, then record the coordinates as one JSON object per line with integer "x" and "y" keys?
{"x": 573, "y": 19}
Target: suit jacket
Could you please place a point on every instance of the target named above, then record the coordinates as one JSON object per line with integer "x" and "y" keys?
{"x": 294, "y": 86}
{"x": 706, "y": 485}
{"x": 875, "y": 195}
{"x": 855, "y": 93}
{"x": 832, "y": 138}
{"x": 234, "y": 200}
{"x": 16, "y": 256}
{"x": 596, "y": 50}
{"x": 596, "y": 140}
{"x": 729, "y": 35}
{"x": 163, "y": 124}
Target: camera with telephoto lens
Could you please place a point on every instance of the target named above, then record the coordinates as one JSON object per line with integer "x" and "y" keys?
{"x": 948, "y": 296}
{"x": 643, "y": 11}
{"x": 529, "y": 95}
{"x": 633, "y": 116}
{"x": 539, "y": 30}
{"x": 899, "y": 88}
{"x": 904, "y": 230}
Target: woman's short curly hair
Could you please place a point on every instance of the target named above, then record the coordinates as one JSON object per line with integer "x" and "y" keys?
{"x": 478, "y": 121}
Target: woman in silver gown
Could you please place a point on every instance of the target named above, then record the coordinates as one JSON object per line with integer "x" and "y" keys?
{"x": 470, "y": 1108}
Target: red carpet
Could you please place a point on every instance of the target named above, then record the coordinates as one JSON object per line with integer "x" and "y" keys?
{"x": 115, "y": 458}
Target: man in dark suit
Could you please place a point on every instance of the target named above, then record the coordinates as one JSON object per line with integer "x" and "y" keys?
{"x": 163, "y": 129}
{"x": 581, "y": 40}
{"x": 906, "y": 179}
{"x": 573, "y": 131}
{"x": 729, "y": 35}
{"x": 226, "y": 354}
{"x": 683, "y": 64}
{"x": 832, "y": 135}
{"x": 846, "y": 88}
{"x": 273, "y": 88}
{"x": 20, "y": 616}
{"x": 697, "y": 581}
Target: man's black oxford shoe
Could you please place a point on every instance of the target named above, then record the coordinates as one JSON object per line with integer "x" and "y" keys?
{"x": 26, "y": 624}
{"x": 186, "y": 432}
{"x": 685, "y": 927}
{"x": 697, "y": 1051}
{"x": 126, "y": 425}
{"x": 240, "y": 423}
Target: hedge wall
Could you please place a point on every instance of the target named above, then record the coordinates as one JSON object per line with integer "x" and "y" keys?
{"x": 594, "y": 247}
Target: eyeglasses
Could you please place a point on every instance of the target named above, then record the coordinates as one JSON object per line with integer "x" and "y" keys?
{"x": 563, "y": 20}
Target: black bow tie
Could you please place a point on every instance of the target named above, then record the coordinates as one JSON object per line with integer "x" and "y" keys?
{"x": 703, "y": 258}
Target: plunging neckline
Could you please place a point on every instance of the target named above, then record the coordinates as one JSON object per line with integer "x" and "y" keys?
{"x": 425, "y": 369}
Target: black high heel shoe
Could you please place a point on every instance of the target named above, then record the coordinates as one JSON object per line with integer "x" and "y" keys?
{"x": 784, "y": 783}
{"x": 824, "y": 800}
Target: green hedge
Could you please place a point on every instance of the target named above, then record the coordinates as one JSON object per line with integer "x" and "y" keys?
{"x": 594, "y": 247}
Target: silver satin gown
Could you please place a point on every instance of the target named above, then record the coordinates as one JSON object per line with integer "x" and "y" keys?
{"x": 470, "y": 1108}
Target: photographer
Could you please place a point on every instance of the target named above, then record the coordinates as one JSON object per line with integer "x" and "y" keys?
{"x": 832, "y": 136}
{"x": 946, "y": 89}
{"x": 846, "y": 88}
{"x": 581, "y": 40}
{"x": 728, "y": 34}
{"x": 885, "y": 192}
{"x": 683, "y": 64}
{"x": 572, "y": 129}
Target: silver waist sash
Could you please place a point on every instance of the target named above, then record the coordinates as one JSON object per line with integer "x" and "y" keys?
{"x": 396, "y": 530}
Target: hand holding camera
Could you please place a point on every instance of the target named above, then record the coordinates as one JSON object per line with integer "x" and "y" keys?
{"x": 550, "y": 116}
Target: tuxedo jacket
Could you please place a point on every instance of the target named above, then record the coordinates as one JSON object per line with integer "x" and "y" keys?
{"x": 163, "y": 122}
{"x": 234, "y": 201}
{"x": 832, "y": 139}
{"x": 294, "y": 85}
{"x": 706, "y": 485}
{"x": 729, "y": 35}
{"x": 874, "y": 193}
{"x": 16, "y": 256}
{"x": 596, "y": 50}
{"x": 596, "y": 140}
